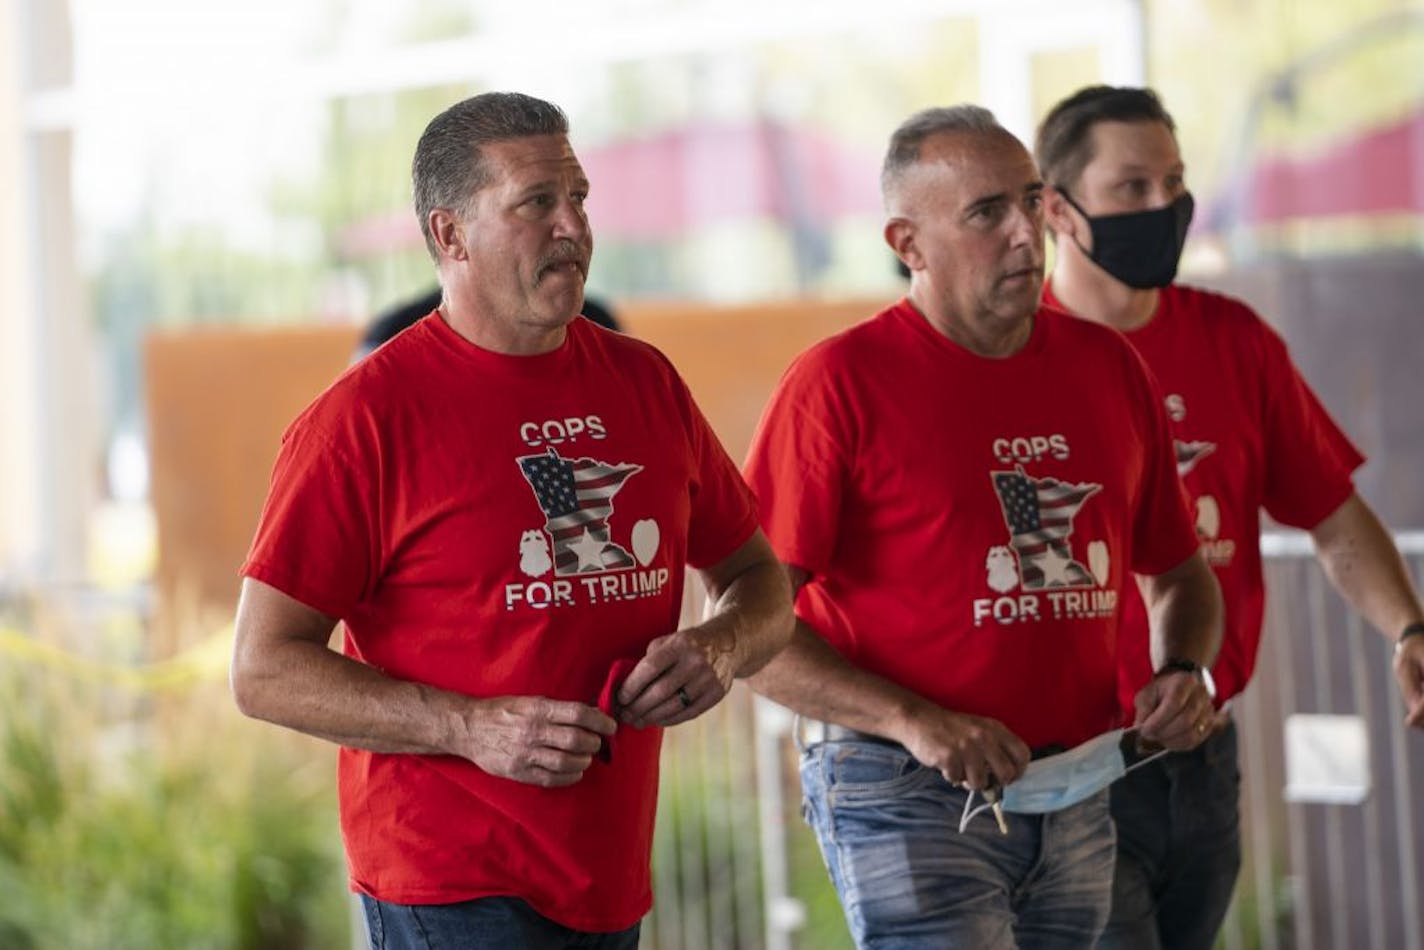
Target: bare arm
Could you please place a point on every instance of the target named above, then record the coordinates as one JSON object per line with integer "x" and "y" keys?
{"x": 816, "y": 681}
{"x": 284, "y": 672}
{"x": 749, "y": 620}
{"x": 1363, "y": 564}
{"x": 1185, "y": 613}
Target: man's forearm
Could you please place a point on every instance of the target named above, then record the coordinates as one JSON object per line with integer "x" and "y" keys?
{"x": 753, "y": 614}
{"x": 1185, "y": 608}
{"x": 310, "y": 688}
{"x": 1362, "y": 563}
{"x": 814, "y": 680}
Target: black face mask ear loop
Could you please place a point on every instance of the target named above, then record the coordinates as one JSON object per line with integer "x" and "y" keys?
{"x": 1086, "y": 217}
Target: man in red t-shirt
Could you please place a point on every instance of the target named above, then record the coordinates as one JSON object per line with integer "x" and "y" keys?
{"x": 960, "y": 487}
{"x": 1249, "y": 435}
{"x": 498, "y": 505}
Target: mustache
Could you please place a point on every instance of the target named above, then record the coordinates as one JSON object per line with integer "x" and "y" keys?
{"x": 564, "y": 252}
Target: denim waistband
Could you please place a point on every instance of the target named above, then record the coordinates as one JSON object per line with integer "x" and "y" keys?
{"x": 817, "y": 731}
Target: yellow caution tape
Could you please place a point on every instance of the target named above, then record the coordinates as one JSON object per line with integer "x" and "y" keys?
{"x": 207, "y": 660}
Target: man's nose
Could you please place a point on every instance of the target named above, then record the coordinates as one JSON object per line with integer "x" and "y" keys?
{"x": 571, "y": 222}
{"x": 1026, "y": 225}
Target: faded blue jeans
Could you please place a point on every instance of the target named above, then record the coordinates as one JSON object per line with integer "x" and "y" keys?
{"x": 908, "y": 879}
{"x": 488, "y": 923}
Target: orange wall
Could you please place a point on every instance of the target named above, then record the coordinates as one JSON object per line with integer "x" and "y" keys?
{"x": 732, "y": 357}
{"x": 219, "y": 399}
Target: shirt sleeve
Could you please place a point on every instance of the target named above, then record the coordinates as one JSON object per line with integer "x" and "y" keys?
{"x": 1163, "y": 534}
{"x": 316, "y": 539}
{"x": 1309, "y": 461}
{"x": 724, "y": 513}
{"x": 797, "y": 465}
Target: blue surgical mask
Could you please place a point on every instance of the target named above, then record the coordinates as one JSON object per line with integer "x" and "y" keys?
{"x": 1059, "y": 781}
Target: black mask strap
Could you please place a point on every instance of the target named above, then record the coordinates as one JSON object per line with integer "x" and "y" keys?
{"x": 1086, "y": 217}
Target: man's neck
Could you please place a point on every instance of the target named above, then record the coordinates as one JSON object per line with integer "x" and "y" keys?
{"x": 1090, "y": 292}
{"x": 503, "y": 338}
{"x": 992, "y": 339}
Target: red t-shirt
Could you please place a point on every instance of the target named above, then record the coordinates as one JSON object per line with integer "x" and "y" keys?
{"x": 967, "y": 522}
{"x": 1249, "y": 434}
{"x": 498, "y": 525}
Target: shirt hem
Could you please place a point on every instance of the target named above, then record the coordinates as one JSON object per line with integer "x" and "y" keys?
{"x": 447, "y": 896}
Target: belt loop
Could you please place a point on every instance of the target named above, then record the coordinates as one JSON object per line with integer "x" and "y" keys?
{"x": 807, "y": 732}
{"x": 796, "y": 737}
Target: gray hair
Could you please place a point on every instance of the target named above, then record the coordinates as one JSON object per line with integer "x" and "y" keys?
{"x": 449, "y": 167}
{"x": 906, "y": 140}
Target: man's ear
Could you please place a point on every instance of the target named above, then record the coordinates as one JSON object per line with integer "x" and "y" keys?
{"x": 1059, "y": 216}
{"x": 900, "y": 235}
{"x": 449, "y": 234}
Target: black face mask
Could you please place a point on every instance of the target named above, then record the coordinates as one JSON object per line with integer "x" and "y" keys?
{"x": 1140, "y": 248}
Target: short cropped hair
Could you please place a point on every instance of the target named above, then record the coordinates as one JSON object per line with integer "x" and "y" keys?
{"x": 449, "y": 167}
{"x": 1064, "y": 145}
{"x": 906, "y": 140}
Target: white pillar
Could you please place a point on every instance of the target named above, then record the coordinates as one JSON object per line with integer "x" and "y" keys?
{"x": 48, "y": 450}
{"x": 1011, "y": 35}
{"x": 19, "y": 387}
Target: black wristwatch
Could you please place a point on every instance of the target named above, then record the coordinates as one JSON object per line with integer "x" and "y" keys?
{"x": 1179, "y": 665}
{"x": 1415, "y": 629}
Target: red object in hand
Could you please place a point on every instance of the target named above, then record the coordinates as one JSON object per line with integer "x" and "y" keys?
{"x": 607, "y": 701}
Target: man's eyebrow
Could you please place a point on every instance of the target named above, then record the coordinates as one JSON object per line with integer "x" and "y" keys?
{"x": 536, "y": 187}
{"x": 999, "y": 197}
{"x": 548, "y": 184}
{"x": 1134, "y": 168}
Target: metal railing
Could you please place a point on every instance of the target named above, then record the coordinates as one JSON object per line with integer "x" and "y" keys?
{"x": 1314, "y": 876}
{"x": 1317, "y": 875}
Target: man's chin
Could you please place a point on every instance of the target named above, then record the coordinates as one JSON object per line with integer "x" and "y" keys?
{"x": 562, "y": 313}
{"x": 1020, "y": 300}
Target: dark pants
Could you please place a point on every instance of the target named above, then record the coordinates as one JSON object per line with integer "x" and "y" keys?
{"x": 1178, "y": 848}
{"x": 489, "y": 922}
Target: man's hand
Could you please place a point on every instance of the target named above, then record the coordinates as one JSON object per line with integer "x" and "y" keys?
{"x": 534, "y": 740}
{"x": 967, "y": 750}
{"x": 1174, "y": 710}
{"x": 1409, "y": 671}
{"x": 681, "y": 676}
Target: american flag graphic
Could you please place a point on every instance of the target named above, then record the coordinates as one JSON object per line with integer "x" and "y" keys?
{"x": 576, "y": 496}
{"x": 1039, "y": 513}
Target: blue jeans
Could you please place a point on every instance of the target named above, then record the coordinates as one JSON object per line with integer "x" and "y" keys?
{"x": 488, "y": 922}
{"x": 907, "y": 878}
{"x": 1179, "y": 848}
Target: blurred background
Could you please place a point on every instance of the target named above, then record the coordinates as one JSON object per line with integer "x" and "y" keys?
{"x": 201, "y": 205}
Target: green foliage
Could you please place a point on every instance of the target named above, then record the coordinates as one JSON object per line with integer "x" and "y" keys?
{"x": 195, "y": 840}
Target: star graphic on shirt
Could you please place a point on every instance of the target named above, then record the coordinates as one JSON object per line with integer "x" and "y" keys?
{"x": 1055, "y": 570}
{"x": 589, "y": 550}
